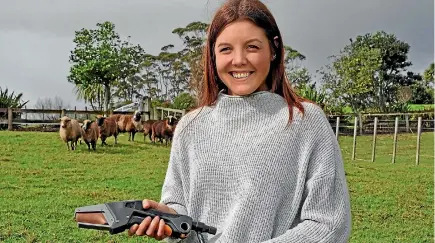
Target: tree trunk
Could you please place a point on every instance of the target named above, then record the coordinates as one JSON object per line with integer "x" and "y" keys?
{"x": 381, "y": 97}
{"x": 106, "y": 98}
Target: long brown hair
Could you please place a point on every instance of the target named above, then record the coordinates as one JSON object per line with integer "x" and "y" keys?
{"x": 259, "y": 14}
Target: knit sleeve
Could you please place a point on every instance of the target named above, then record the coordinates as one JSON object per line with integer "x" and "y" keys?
{"x": 173, "y": 186}
{"x": 324, "y": 214}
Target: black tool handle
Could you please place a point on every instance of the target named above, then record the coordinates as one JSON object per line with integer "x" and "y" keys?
{"x": 179, "y": 224}
{"x": 173, "y": 230}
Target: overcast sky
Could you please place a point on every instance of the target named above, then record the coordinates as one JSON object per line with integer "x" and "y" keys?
{"x": 36, "y": 35}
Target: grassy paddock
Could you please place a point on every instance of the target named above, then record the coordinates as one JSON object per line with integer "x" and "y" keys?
{"x": 41, "y": 184}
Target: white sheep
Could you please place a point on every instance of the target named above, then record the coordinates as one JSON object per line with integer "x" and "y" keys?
{"x": 70, "y": 131}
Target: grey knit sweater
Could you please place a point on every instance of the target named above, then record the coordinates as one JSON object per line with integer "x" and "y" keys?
{"x": 237, "y": 167}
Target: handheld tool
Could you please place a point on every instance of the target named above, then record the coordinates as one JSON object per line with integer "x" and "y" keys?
{"x": 116, "y": 217}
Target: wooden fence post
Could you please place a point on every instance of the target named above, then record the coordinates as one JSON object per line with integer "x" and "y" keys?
{"x": 355, "y": 131}
{"x": 360, "y": 123}
{"x": 417, "y": 156}
{"x": 87, "y": 114}
{"x": 407, "y": 122}
{"x": 10, "y": 118}
{"x": 147, "y": 108}
{"x": 337, "y": 127}
{"x": 155, "y": 117}
{"x": 375, "y": 127}
{"x": 396, "y": 128}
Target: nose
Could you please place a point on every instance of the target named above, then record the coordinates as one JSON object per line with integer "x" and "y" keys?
{"x": 239, "y": 58}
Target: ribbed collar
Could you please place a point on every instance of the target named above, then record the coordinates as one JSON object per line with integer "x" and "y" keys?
{"x": 256, "y": 104}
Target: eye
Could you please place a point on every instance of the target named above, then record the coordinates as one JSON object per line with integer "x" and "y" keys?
{"x": 224, "y": 49}
{"x": 253, "y": 47}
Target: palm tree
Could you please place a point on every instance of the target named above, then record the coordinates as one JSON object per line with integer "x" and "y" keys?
{"x": 308, "y": 91}
{"x": 92, "y": 93}
{"x": 11, "y": 100}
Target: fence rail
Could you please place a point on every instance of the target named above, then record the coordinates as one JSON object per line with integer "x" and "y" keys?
{"x": 408, "y": 122}
{"x": 48, "y": 117}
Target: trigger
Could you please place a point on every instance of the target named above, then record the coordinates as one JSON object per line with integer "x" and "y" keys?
{"x": 167, "y": 230}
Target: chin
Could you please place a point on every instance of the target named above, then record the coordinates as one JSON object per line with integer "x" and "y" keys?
{"x": 242, "y": 90}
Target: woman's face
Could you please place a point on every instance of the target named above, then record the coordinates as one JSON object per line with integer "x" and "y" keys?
{"x": 243, "y": 57}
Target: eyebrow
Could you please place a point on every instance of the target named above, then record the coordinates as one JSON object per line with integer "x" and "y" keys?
{"x": 250, "y": 40}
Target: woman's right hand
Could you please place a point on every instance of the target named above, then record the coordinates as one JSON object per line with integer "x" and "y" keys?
{"x": 153, "y": 228}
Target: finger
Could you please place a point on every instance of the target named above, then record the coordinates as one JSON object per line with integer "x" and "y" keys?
{"x": 161, "y": 228}
{"x": 149, "y": 204}
{"x": 160, "y": 232}
{"x": 143, "y": 226}
{"x": 153, "y": 227}
{"x": 132, "y": 229}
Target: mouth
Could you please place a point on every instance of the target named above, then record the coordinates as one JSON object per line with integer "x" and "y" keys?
{"x": 241, "y": 75}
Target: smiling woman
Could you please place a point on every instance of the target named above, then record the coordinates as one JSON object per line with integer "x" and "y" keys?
{"x": 243, "y": 57}
{"x": 254, "y": 160}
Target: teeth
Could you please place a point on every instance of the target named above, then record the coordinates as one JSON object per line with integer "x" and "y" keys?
{"x": 240, "y": 75}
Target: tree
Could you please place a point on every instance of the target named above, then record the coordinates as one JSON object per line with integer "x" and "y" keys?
{"x": 92, "y": 93}
{"x": 193, "y": 36}
{"x": 183, "y": 101}
{"x": 422, "y": 87}
{"x": 50, "y": 103}
{"x": 296, "y": 73}
{"x": 394, "y": 61}
{"x": 428, "y": 75}
{"x": 299, "y": 77}
{"x": 350, "y": 80}
{"x": 101, "y": 57}
{"x": 309, "y": 91}
{"x": 11, "y": 100}
{"x": 149, "y": 80}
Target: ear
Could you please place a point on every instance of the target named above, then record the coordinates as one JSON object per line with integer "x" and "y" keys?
{"x": 276, "y": 42}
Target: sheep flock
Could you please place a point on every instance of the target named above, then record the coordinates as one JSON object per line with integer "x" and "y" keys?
{"x": 72, "y": 132}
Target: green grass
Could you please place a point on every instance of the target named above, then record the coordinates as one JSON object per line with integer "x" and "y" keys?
{"x": 41, "y": 183}
{"x": 415, "y": 107}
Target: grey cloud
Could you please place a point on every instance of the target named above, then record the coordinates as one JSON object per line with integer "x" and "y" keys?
{"x": 36, "y": 36}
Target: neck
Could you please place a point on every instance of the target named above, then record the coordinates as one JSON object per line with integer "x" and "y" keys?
{"x": 263, "y": 87}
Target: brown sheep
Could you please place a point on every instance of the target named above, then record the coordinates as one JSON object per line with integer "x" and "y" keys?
{"x": 70, "y": 131}
{"x": 164, "y": 129}
{"x": 147, "y": 125}
{"x": 108, "y": 128}
{"x": 131, "y": 124}
{"x": 116, "y": 117}
{"x": 91, "y": 133}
